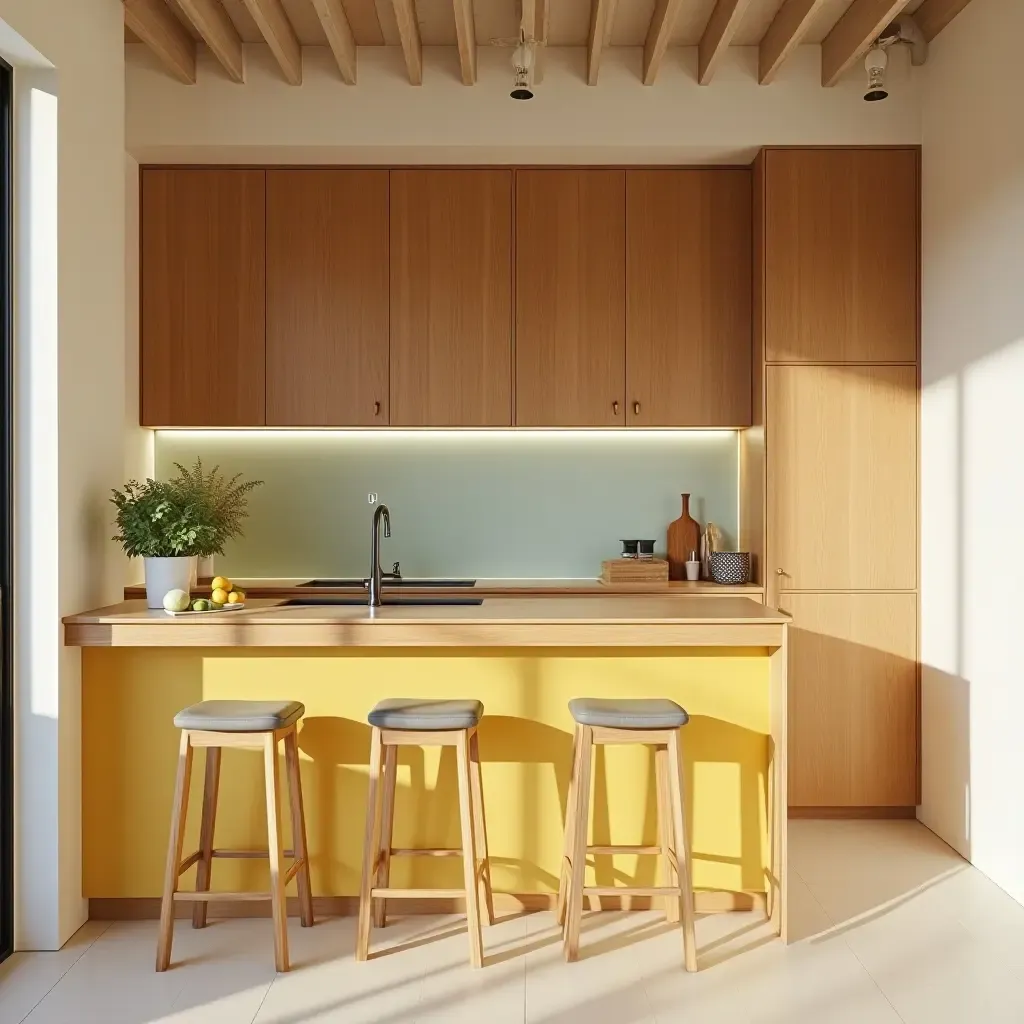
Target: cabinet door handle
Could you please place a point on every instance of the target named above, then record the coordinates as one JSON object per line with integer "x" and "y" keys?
{"x": 376, "y": 408}
{"x": 636, "y": 408}
{"x": 780, "y": 572}
{"x": 615, "y": 408}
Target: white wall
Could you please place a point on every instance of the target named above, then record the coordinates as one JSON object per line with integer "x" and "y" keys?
{"x": 385, "y": 120}
{"x": 70, "y": 352}
{"x": 972, "y": 484}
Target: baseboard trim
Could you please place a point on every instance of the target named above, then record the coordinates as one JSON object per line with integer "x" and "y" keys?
{"x": 884, "y": 813}
{"x": 147, "y": 908}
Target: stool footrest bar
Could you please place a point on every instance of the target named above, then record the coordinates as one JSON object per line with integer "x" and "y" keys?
{"x": 417, "y": 894}
{"x": 248, "y": 854}
{"x": 226, "y": 897}
{"x": 630, "y": 890}
{"x": 643, "y": 851}
{"x": 426, "y": 853}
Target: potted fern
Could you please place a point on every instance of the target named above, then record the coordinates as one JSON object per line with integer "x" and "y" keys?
{"x": 222, "y": 503}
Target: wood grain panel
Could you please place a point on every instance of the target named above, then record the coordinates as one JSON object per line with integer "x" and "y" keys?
{"x": 688, "y": 288}
{"x": 327, "y": 298}
{"x": 842, "y": 477}
{"x": 451, "y": 298}
{"x": 570, "y": 298}
{"x": 842, "y": 255}
{"x": 203, "y": 297}
{"x": 852, "y": 699}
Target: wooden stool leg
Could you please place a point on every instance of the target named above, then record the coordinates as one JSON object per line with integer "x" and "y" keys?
{"x": 371, "y": 844}
{"x": 211, "y": 788}
{"x": 277, "y": 899}
{"x": 469, "y": 858}
{"x": 483, "y": 867}
{"x": 179, "y": 810}
{"x": 299, "y": 845}
{"x": 665, "y": 829}
{"x": 675, "y": 755}
{"x": 383, "y": 875}
{"x": 565, "y": 870}
{"x": 581, "y": 811}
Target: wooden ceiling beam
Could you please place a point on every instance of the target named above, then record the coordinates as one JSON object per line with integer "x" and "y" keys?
{"x": 934, "y": 15}
{"x": 153, "y": 23}
{"x": 211, "y": 21}
{"x": 339, "y": 36}
{"x": 602, "y": 14}
{"x": 465, "y": 32}
{"x": 853, "y": 34}
{"x": 534, "y": 20}
{"x": 659, "y": 33}
{"x": 277, "y": 30}
{"x": 409, "y": 32}
{"x": 784, "y": 35}
{"x": 721, "y": 27}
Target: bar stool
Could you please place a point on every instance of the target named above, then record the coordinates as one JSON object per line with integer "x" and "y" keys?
{"x": 400, "y": 722}
{"x": 251, "y": 725}
{"x": 654, "y": 723}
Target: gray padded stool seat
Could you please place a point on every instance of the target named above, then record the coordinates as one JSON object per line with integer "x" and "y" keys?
{"x": 628, "y": 713}
{"x": 240, "y": 715}
{"x": 419, "y": 715}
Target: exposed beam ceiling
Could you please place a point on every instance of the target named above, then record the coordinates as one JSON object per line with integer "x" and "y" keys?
{"x": 722, "y": 25}
{"x": 934, "y": 15}
{"x": 855, "y": 31}
{"x": 154, "y": 24}
{"x": 409, "y": 31}
{"x": 339, "y": 35}
{"x": 465, "y": 34}
{"x": 602, "y": 14}
{"x": 658, "y": 35}
{"x": 536, "y": 16}
{"x": 784, "y": 35}
{"x": 277, "y": 30}
{"x": 211, "y": 21}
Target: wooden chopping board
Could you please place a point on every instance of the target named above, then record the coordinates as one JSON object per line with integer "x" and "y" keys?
{"x": 683, "y": 537}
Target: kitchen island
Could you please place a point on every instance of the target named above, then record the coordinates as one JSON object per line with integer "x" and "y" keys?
{"x": 723, "y": 658}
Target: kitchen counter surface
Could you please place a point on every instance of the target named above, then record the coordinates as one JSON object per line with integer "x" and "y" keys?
{"x": 609, "y": 621}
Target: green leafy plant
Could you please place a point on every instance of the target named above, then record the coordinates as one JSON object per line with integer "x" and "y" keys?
{"x": 155, "y": 520}
{"x": 221, "y": 503}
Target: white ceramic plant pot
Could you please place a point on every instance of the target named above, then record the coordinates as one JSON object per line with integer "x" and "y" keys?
{"x": 164, "y": 574}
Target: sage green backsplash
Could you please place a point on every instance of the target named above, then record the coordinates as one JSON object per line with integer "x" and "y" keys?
{"x": 500, "y": 504}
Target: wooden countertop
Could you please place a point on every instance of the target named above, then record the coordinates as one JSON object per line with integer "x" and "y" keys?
{"x": 295, "y": 587}
{"x": 611, "y": 621}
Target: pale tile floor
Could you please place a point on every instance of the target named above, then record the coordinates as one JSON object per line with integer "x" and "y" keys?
{"x": 891, "y": 926}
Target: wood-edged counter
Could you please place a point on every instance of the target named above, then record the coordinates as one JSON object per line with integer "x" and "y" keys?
{"x": 615, "y": 621}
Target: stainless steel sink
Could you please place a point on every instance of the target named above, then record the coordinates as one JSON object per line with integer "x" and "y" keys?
{"x": 387, "y": 600}
{"x": 390, "y": 583}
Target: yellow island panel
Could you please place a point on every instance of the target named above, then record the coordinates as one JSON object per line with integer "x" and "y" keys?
{"x": 130, "y": 747}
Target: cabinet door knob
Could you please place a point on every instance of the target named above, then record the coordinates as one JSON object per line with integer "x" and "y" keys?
{"x": 780, "y": 572}
{"x": 376, "y": 408}
{"x": 636, "y": 408}
{"x": 615, "y": 408}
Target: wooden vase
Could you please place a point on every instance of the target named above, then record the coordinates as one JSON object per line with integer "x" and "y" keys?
{"x": 683, "y": 537}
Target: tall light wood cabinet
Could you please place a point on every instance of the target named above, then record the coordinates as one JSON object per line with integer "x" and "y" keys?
{"x": 327, "y": 298}
{"x": 570, "y": 298}
{"x": 451, "y": 298}
{"x": 688, "y": 326}
{"x": 202, "y": 272}
{"x": 832, "y": 461}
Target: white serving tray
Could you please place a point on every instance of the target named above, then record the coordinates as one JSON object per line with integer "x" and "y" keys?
{"x": 213, "y": 611}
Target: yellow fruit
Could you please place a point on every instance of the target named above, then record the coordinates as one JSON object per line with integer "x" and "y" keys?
{"x": 236, "y": 597}
{"x": 219, "y": 596}
{"x": 221, "y": 583}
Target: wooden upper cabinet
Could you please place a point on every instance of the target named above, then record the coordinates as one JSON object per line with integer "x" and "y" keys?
{"x": 842, "y": 477}
{"x": 451, "y": 298}
{"x": 852, "y": 699}
{"x": 688, "y": 297}
{"x": 203, "y": 251}
{"x": 327, "y": 298}
{"x": 841, "y": 255}
{"x": 570, "y": 298}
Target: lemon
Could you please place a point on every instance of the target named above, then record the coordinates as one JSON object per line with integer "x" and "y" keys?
{"x": 176, "y": 601}
{"x": 221, "y": 583}
{"x": 219, "y": 596}
{"x": 236, "y": 597}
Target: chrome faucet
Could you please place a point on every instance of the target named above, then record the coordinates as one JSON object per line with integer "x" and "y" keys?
{"x": 380, "y": 512}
